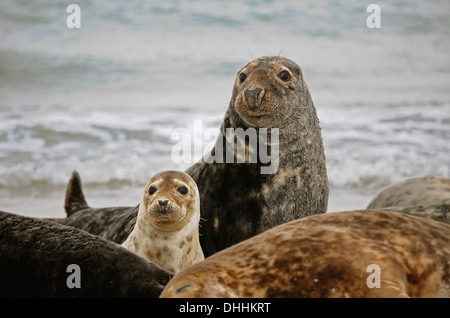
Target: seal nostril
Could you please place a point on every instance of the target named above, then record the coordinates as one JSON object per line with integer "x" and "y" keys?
{"x": 163, "y": 203}
{"x": 251, "y": 95}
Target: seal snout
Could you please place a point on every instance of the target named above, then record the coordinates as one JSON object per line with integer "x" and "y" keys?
{"x": 162, "y": 206}
{"x": 253, "y": 97}
{"x": 163, "y": 202}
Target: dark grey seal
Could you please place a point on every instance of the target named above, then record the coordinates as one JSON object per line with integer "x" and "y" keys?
{"x": 238, "y": 200}
{"x": 35, "y": 256}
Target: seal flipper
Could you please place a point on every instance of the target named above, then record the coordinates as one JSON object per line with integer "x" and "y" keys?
{"x": 75, "y": 200}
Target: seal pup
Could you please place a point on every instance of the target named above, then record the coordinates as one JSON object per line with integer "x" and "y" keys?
{"x": 269, "y": 92}
{"x": 35, "y": 256}
{"x": 344, "y": 254}
{"x": 166, "y": 230}
{"x": 412, "y": 192}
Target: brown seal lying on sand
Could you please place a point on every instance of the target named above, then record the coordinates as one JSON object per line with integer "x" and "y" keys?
{"x": 166, "y": 230}
{"x": 342, "y": 254}
{"x": 269, "y": 92}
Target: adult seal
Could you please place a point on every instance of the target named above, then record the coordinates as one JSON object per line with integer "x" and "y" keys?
{"x": 43, "y": 259}
{"x": 166, "y": 229}
{"x": 344, "y": 254}
{"x": 240, "y": 200}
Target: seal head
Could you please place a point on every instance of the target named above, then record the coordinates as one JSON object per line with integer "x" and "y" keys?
{"x": 166, "y": 230}
{"x": 259, "y": 88}
{"x": 170, "y": 201}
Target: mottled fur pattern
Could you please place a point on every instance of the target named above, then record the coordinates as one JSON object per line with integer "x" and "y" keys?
{"x": 438, "y": 212}
{"x": 328, "y": 256}
{"x": 430, "y": 190}
{"x": 299, "y": 188}
{"x": 35, "y": 254}
{"x": 168, "y": 235}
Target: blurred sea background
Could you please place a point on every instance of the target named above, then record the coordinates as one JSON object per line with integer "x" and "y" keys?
{"x": 105, "y": 98}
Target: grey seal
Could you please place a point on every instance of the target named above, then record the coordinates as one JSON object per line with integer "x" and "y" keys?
{"x": 35, "y": 256}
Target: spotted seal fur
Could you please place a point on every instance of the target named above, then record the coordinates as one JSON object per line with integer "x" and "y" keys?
{"x": 329, "y": 255}
{"x": 428, "y": 197}
{"x": 166, "y": 230}
{"x": 412, "y": 192}
{"x": 438, "y": 212}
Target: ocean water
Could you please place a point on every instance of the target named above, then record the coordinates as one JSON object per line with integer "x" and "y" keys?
{"x": 105, "y": 98}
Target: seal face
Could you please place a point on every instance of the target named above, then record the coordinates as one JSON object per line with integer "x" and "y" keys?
{"x": 170, "y": 201}
{"x": 344, "y": 254}
{"x": 166, "y": 230}
{"x": 261, "y": 85}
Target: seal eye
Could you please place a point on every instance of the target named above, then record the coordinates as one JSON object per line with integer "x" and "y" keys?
{"x": 183, "y": 190}
{"x": 242, "y": 77}
{"x": 284, "y": 75}
{"x": 151, "y": 190}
